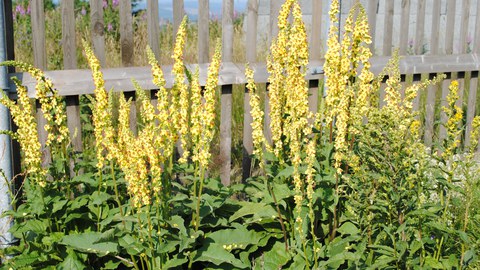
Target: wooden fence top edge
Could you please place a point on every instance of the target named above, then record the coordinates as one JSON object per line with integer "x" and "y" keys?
{"x": 79, "y": 81}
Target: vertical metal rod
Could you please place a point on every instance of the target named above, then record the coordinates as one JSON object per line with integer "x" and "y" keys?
{"x": 5, "y": 141}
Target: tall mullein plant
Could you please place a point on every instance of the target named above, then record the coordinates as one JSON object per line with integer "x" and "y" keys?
{"x": 290, "y": 127}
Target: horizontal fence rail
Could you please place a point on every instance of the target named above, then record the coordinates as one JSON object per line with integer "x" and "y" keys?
{"x": 433, "y": 37}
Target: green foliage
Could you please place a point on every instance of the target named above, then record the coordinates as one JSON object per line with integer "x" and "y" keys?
{"x": 395, "y": 205}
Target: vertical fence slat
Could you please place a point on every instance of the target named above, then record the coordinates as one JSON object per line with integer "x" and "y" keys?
{"x": 203, "y": 31}
{"x": 275, "y": 6}
{"x": 225, "y": 133}
{"x": 126, "y": 33}
{"x": 70, "y": 62}
{"x": 313, "y": 96}
{"x": 466, "y": 5}
{"x": 178, "y": 14}
{"x": 98, "y": 30}
{"x": 68, "y": 35}
{"x": 450, "y": 26}
{"x": 40, "y": 61}
{"x": 227, "y": 30}
{"x": 434, "y": 37}
{"x": 133, "y": 111}
{"x": 252, "y": 19}
{"x": 226, "y": 98}
{"x": 404, "y": 26}
{"x": 38, "y": 33}
{"x": 476, "y": 42}
{"x": 74, "y": 126}
{"x": 251, "y": 55}
{"x": 388, "y": 28}
{"x": 430, "y": 102}
{"x": 471, "y": 105}
{"x": 420, "y": 27}
{"x": 315, "y": 37}
{"x": 153, "y": 27}
{"x": 247, "y": 136}
{"x": 372, "y": 21}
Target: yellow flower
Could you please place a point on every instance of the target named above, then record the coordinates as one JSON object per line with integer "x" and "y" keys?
{"x": 23, "y": 115}
{"x": 257, "y": 117}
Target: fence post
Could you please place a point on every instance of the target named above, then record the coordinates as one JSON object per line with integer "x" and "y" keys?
{"x": 226, "y": 95}
{"x": 6, "y": 158}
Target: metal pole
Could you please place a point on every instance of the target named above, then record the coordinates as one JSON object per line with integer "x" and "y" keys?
{"x": 5, "y": 141}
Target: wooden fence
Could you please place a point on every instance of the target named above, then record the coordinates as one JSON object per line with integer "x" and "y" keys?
{"x": 463, "y": 65}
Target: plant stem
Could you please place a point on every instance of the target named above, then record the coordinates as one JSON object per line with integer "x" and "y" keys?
{"x": 202, "y": 176}
{"x": 117, "y": 197}
{"x": 279, "y": 215}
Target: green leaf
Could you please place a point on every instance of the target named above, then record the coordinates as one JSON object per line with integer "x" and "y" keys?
{"x": 58, "y": 205}
{"x": 433, "y": 263}
{"x": 285, "y": 173}
{"x": 239, "y": 237}
{"x": 86, "y": 242}
{"x": 216, "y": 254}
{"x": 71, "y": 262}
{"x": 277, "y": 257}
{"x": 251, "y": 208}
{"x": 348, "y": 228}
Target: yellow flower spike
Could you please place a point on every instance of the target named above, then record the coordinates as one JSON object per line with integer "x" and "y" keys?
{"x": 23, "y": 115}
{"x": 454, "y": 115}
{"x": 474, "y": 135}
{"x": 257, "y": 117}
{"x": 209, "y": 107}
{"x": 179, "y": 105}
{"x": 196, "y": 116}
{"x": 51, "y": 105}
{"x": 102, "y": 114}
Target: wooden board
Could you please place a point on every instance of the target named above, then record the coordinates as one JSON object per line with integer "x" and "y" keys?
{"x": 388, "y": 28}
{"x": 227, "y": 30}
{"x": 38, "y": 34}
{"x": 203, "y": 31}
{"x": 404, "y": 27}
{"x": 420, "y": 28}
{"x": 126, "y": 33}
{"x": 98, "y": 30}
{"x": 153, "y": 28}
{"x": 79, "y": 81}
{"x": 226, "y": 134}
{"x": 68, "y": 35}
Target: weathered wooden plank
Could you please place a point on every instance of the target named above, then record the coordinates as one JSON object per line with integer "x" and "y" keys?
{"x": 178, "y": 14}
{"x": 313, "y": 88}
{"x": 133, "y": 111}
{"x": 126, "y": 33}
{"x": 471, "y": 105}
{"x": 153, "y": 28}
{"x": 38, "y": 34}
{"x": 226, "y": 134}
{"x": 227, "y": 30}
{"x": 404, "y": 23}
{"x": 98, "y": 30}
{"x": 450, "y": 26}
{"x": 42, "y": 136}
{"x": 476, "y": 42}
{"x": 68, "y": 35}
{"x": 74, "y": 123}
{"x": 40, "y": 61}
{"x": 267, "y": 131}
{"x": 203, "y": 31}
{"x": 78, "y": 82}
{"x": 435, "y": 37}
{"x": 388, "y": 28}
{"x": 466, "y": 5}
{"x": 226, "y": 98}
{"x": 316, "y": 34}
{"x": 442, "y": 133}
{"x": 247, "y": 136}
{"x": 420, "y": 28}
{"x": 275, "y": 6}
{"x": 429, "y": 115}
{"x": 372, "y": 21}
{"x": 251, "y": 35}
